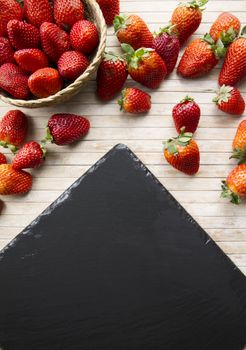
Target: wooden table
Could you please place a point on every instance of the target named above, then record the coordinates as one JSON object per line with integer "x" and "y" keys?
{"x": 200, "y": 195}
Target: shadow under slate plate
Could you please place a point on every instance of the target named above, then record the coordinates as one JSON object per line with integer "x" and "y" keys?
{"x": 117, "y": 264}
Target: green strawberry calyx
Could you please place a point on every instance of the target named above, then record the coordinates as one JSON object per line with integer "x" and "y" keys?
{"x": 223, "y": 94}
{"x": 183, "y": 139}
{"x": 227, "y": 193}
{"x": 187, "y": 99}
{"x": 121, "y": 100}
{"x": 48, "y": 138}
{"x": 169, "y": 29}
{"x": 228, "y": 36}
{"x": 217, "y": 47}
{"x": 195, "y": 4}
{"x": 121, "y": 22}
{"x": 11, "y": 147}
{"x": 239, "y": 154}
{"x": 111, "y": 56}
{"x": 133, "y": 57}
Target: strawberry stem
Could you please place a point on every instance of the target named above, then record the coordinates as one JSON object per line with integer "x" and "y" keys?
{"x": 121, "y": 100}
{"x": 239, "y": 154}
{"x": 187, "y": 99}
{"x": 223, "y": 94}
{"x": 183, "y": 139}
{"x": 196, "y": 4}
{"x": 48, "y": 138}
{"x": 227, "y": 193}
{"x": 121, "y": 22}
{"x": 11, "y": 147}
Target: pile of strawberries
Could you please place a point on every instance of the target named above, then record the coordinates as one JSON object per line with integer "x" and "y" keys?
{"x": 44, "y": 46}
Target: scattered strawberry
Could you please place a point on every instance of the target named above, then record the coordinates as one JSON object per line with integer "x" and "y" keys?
{"x": 186, "y": 114}
{"x": 234, "y": 67}
{"x": 110, "y": 9}
{"x": 145, "y": 66}
{"x": 234, "y": 187}
{"x": 167, "y": 45}
{"x": 135, "y": 101}
{"x": 10, "y": 9}
{"x": 3, "y": 159}
{"x": 31, "y": 60}
{"x": 239, "y": 143}
{"x": 72, "y": 64}
{"x": 66, "y": 128}
{"x": 55, "y": 41}
{"x": 45, "y": 82}
{"x": 67, "y": 12}
{"x": 6, "y": 51}
{"x": 187, "y": 18}
{"x": 23, "y": 35}
{"x": 38, "y": 11}
{"x": 84, "y": 36}
{"x": 31, "y": 155}
{"x": 111, "y": 76}
{"x": 226, "y": 27}
{"x": 200, "y": 57}
{"x": 182, "y": 153}
{"x": 13, "y": 129}
{"x": 14, "y": 81}
{"x": 14, "y": 181}
{"x": 132, "y": 30}
{"x": 229, "y": 100}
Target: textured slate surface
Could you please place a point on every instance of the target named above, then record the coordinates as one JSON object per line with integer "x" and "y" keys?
{"x": 116, "y": 263}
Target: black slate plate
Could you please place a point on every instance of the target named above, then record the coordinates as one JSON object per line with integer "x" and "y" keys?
{"x": 116, "y": 263}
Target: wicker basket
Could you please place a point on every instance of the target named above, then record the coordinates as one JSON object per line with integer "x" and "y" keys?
{"x": 95, "y": 15}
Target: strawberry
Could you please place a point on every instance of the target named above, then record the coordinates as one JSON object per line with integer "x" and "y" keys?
{"x": 186, "y": 114}
{"x": 31, "y": 155}
{"x": 66, "y": 128}
{"x": 31, "y": 60}
{"x": 182, "y": 153}
{"x": 111, "y": 76}
{"x": 72, "y": 64}
{"x": 55, "y": 41}
{"x": 135, "y": 101}
{"x": 145, "y": 66}
{"x": 10, "y": 9}
{"x": 239, "y": 143}
{"x": 6, "y": 51}
{"x": 234, "y": 187}
{"x": 38, "y": 11}
{"x": 68, "y": 12}
{"x": 226, "y": 27}
{"x": 132, "y": 30}
{"x": 45, "y": 82}
{"x": 200, "y": 57}
{"x": 14, "y": 81}
{"x": 3, "y": 159}
{"x": 187, "y": 18}
{"x": 23, "y": 35}
{"x": 13, "y": 129}
{"x": 110, "y": 9}
{"x": 84, "y": 37}
{"x": 234, "y": 67}
{"x": 14, "y": 181}
{"x": 167, "y": 45}
{"x": 229, "y": 100}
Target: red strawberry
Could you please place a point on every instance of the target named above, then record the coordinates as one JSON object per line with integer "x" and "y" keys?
{"x": 234, "y": 67}
{"x": 234, "y": 187}
{"x": 31, "y": 60}
{"x": 135, "y": 101}
{"x": 13, "y": 129}
{"x": 187, "y": 18}
{"x": 3, "y": 159}
{"x": 14, "y": 181}
{"x": 31, "y": 155}
{"x": 186, "y": 114}
{"x": 167, "y": 45}
{"x": 226, "y": 27}
{"x": 10, "y": 9}
{"x": 145, "y": 66}
{"x": 23, "y": 35}
{"x": 14, "y": 81}
{"x": 183, "y": 153}
{"x": 84, "y": 36}
{"x": 200, "y": 57}
{"x": 111, "y": 76}
{"x": 68, "y": 12}
{"x": 6, "y": 51}
{"x": 38, "y": 11}
{"x": 239, "y": 143}
{"x": 65, "y": 128}
{"x": 45, "y": 82}
{"x": 55, "y": 41}
{"x": 72, "y": 64}
{"x": 229, "y": 100}
{"x": 110, "y": 9}
{"x": 132, "y": 30}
